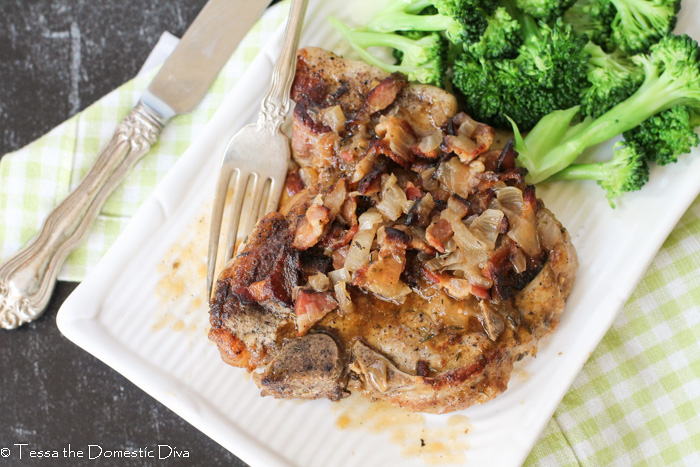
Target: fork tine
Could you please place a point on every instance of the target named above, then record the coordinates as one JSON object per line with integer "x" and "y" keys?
{"x": 237, "y": 204}
{"x": 256, "y": 188}
{"x": 217, "y": 214}
{"x": 274, "y": 195}
{"x": 262, "y": 210}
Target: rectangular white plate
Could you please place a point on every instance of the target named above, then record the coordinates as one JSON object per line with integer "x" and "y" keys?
{"x": 119, "y": 313}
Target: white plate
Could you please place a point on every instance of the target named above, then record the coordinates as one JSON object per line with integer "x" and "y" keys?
{"x": 123, "y": 314}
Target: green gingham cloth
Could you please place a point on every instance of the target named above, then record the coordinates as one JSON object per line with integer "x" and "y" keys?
{"x": 636, "y": 401}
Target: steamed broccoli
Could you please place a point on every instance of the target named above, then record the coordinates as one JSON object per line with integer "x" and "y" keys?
{"x": 640, "y": 23}
{"x": 613, "y": 78}
{"x": 422, "y": 59}
{"x": 594, "y": 19}
{"x": 671, "y": 77}
{"x": 626, "y": 171}
{"x": 461, "y": 20}
{"x": 548, "y": 73}
{"x": 665, "y": 136}
{"x": 545, "y": 10}
{"x": 501, "y": 38}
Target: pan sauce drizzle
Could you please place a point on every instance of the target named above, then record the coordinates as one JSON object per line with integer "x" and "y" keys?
{"x": 438, "y": 441}
{"x": 182, "y": 303}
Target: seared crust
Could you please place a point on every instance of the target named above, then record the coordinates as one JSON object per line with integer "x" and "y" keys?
{"x": 457, "y": 269}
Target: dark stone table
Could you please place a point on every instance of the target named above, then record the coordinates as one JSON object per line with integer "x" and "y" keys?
{"x": 56, "y": 58}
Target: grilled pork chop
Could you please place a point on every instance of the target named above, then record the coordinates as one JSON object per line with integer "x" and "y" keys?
{"x": 409, "y": 261}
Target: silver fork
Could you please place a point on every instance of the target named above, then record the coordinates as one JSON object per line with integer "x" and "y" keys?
{"x": 257, "y": 157}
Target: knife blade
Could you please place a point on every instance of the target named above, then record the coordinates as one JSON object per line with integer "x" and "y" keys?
{"x": 186, "y": 76}
{"x": 27, "y": 278}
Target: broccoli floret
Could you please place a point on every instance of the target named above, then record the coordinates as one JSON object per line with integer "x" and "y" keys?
{"x": 640, "y": 23}
{"x": 665, "y": 136}
{"x": 671, "y": 77}
{"x": 594, "y": 19}
{"x": 549, "y": 73}
{"x": 461, "y": 20}
{"x": 501, "y": 38}
{"x": 545, "y": 10}
{"x": 423, "y": 59}
{"x": 626, "y": 171}
{"x": 613, "y": 78}
{"x": 429, "y": 10}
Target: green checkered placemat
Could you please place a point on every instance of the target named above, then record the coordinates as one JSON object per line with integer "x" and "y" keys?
{"x": 637, "y": 399}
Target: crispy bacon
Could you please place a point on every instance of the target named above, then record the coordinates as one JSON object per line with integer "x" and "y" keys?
{"x": 379, "y": 98}
{"x": 438, "y": 232}
{"x": 339, "y": 237}
{"x": 471, "y": 138}
{"x": 412, "y": 192}
{"x": 311, "y": 307}
{"x": 311, "y": 226}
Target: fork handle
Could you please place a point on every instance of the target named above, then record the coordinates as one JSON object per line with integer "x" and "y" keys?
{"x": 27, "y": 278}
{"x": 276, "y": 103}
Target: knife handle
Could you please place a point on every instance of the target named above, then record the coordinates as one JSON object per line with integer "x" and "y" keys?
{"x": 28, "y": 277}
{"x": 276, "y": 103}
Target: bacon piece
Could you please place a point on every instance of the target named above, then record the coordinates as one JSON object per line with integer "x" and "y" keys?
{"x": 506, "y": 161}
{"x": 311, "y": 307}
{"x": 312, "y": 225}
{"x": 440, "y": 229}
{"x": 438, "y": 232}
{"x": 338, "y": 237}
{"x": 378, "y": 99}
{"x": 371, "y": 182}
{"x": 417, "y": 238}
{"x": 412, "y": 192}
{"x": 497, "y": 268}
{"x": 471, "y": 138}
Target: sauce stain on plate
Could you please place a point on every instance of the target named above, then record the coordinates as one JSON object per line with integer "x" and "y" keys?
{"x": 440, "y": 440}
{"x": 180, "y": 290}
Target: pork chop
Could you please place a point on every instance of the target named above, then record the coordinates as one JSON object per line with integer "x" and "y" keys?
{"x": 410, "y": 261}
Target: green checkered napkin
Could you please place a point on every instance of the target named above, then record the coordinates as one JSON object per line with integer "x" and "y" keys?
{"x": 637, "y": 400}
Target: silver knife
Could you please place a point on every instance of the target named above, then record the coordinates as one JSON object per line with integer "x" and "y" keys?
{"x": 28, "y": 278}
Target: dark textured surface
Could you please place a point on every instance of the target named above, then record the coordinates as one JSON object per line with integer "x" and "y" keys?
{"x": 56, "y": 58}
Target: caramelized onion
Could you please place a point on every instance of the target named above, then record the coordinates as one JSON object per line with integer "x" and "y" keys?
{"x": 485, "y": 227}
{"x": 333, "y": 118}
{"x": 459, "y": 178}
{"x": 524, "y": 234}
{"x": 518, "y": 260}
{"x": 341, "y": 294}
{"x": 511, "y": 199}
{"x": 359, "y": 252}
{"x": 340, "y": 275}
{"x": 393, "y": 199}
{"x": 319, "y": 282}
